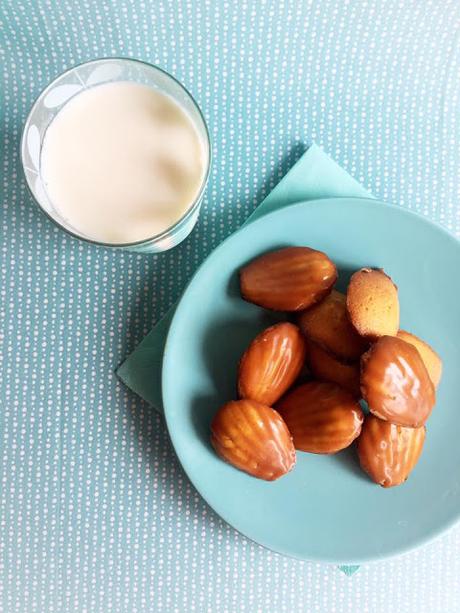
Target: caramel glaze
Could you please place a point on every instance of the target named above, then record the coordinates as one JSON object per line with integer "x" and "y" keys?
{"x": 290, "y": 279}
{"x": 271, "y": 363}
{"x": 395, "y": 383}
{"x": 388, "y": 453}
{"x": 253, "y": 438}
{"x": 322, "y": 417}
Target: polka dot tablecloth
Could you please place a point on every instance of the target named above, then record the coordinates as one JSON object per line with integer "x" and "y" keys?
{"x": 96, "y": 514}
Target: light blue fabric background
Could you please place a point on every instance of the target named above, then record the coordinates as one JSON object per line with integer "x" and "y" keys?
{"x": 95, "y": 513}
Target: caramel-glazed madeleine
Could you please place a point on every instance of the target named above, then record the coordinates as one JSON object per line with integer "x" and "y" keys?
{"x": 388, "y": 453}
{"x": 290, "y": 279}
{"x": 253, "y": 438}
{"x": 395, "y": 383}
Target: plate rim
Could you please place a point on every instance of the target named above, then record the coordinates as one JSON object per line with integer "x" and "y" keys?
{"x": 430, "y": 535}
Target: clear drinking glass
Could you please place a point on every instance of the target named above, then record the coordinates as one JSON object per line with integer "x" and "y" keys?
{"x": 71, "y": 83}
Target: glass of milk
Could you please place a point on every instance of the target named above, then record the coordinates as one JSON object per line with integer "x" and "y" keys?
{"x": 116, "y": 152}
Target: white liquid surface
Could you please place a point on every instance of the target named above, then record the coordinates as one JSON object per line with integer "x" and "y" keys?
{"x": 122, "y": 162}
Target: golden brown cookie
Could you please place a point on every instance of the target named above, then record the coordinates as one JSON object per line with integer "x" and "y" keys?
{"x": 321, "y": 417}
{"x": 395, "y": 383}
{"x": 372, "y": 303}
{"x": 289, "y": 279}
{"x": 388, "y": 453}
{"x": 431, "y": 359}
{"x": 328, "y": 325}
{"x": 326, "y": 367}
{"x": 271, "y": 363}
{"x": 253, "y": 438}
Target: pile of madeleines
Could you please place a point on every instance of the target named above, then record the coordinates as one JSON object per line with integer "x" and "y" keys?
{"x": 353, "y": 349}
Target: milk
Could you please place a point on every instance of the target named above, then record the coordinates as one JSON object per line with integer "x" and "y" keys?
{"x": 122, "y": 162}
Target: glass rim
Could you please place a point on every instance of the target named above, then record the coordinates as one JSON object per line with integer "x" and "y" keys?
{"x": 196, "y": 201}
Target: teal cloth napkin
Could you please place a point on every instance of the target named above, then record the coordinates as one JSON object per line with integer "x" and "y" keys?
{"x": 314, "y": 176}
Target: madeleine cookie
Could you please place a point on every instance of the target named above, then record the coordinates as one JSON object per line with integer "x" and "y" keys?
{"x": 372, "y": 303}
{"x": 321, "y": 417}
{"x": 289, "y": 279}
{"x": 271, "y": 363}
{"x": 388, "y": 453}
{"x": 253, "y": 438}
{"x": 328, "y": 325}
{"x": 395, "y": 383}
{"x": 326, "y": 367}
{"x": 429, "y": 356}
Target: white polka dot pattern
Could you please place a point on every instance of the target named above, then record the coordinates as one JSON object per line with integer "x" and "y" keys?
{"x": 95, "y": 513}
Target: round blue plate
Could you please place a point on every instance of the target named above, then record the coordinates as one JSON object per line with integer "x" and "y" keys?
{"x": 326, "y": 509}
